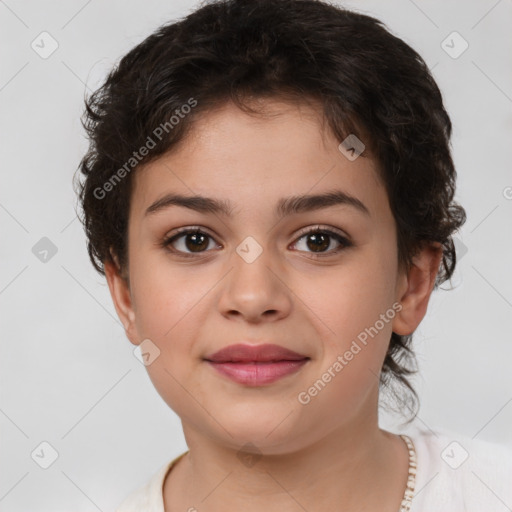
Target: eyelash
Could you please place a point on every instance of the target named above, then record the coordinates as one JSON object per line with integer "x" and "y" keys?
{"x": 167, "y": 242}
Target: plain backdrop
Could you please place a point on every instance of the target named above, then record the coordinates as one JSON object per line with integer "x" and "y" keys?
{"x": 69, "y": 376}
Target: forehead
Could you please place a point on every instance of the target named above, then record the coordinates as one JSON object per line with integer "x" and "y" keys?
{"x": 256, "y": 160}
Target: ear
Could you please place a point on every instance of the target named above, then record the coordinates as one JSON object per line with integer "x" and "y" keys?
{"x": 121, "y": 296}
{"x": 415, "y": 288}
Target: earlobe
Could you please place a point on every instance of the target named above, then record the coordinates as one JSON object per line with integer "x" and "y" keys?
{"x": 416, "y": 288}
{"x": 121, "y": 297}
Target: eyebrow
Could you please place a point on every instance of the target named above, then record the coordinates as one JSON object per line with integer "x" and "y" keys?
{"x": 285, "y": 206}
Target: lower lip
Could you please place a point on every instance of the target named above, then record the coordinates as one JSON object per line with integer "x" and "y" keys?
{"x": 257, "y": 374}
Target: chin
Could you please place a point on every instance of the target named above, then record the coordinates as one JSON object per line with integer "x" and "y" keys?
{"x": 268, "y": 434}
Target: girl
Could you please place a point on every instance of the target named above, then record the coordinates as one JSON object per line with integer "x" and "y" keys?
{"x": 269, "y": 193}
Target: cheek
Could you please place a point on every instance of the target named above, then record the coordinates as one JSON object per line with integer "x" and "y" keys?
{"x": 166, "y": 313}
{"x": 346, "y": 303}
{"x": 163, "y": 300}
{"x": 170, "y": 308}
{"x": 356, "y": 307}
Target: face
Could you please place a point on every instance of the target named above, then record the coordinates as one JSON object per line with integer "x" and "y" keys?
{"x": 317, "y": 277}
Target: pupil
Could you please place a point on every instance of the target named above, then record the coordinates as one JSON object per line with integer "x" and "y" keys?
{"x": 195, "y": 237}
{"x": 319, "y": 241}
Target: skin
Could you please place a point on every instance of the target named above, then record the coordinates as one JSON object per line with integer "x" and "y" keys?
{"x": 330, "y": 453}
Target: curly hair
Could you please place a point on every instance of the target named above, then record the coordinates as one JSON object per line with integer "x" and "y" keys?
{"x": 367, "y": 81}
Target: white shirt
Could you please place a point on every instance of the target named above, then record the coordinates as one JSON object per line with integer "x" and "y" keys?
{"x": 454, "y": 474}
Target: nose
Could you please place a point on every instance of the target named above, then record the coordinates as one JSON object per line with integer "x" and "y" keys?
{"x": 255, "y": 291}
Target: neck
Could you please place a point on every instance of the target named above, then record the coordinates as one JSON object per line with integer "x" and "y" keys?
{"x": 357, "y": 469}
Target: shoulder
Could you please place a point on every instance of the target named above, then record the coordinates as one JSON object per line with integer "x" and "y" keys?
{"x": 149, "y": 497}
{"x": 456, "y": 473}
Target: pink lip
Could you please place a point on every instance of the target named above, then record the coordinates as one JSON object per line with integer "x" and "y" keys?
{"x": 255, "y": 365}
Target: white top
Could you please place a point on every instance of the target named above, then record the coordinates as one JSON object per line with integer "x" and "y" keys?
{"x": 454, "y": 474}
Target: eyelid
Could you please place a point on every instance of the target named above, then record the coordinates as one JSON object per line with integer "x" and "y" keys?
{"x": 302, "y": 232}
{"x": 168, "y": 239}
{"x": 342, "y": 239}
{"x": 330, "y": 231}
{"x": 323, "y": 229}
{"x": 187, "y": 229}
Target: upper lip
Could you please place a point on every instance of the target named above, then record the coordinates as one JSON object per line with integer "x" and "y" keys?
{"x": 261, "y": 353}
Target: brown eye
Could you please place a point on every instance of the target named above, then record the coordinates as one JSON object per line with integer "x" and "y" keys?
{"x": 318, "y": 241}
{"x": 195, "y": 242}
{"x": 188, "y": 241}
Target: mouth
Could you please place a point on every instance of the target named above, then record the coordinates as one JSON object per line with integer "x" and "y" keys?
{"x": 256, "y": 365}
{"x": 258, "y": 373}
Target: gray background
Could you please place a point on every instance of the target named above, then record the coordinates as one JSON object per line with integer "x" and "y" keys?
{"x": 69, "y": 376}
